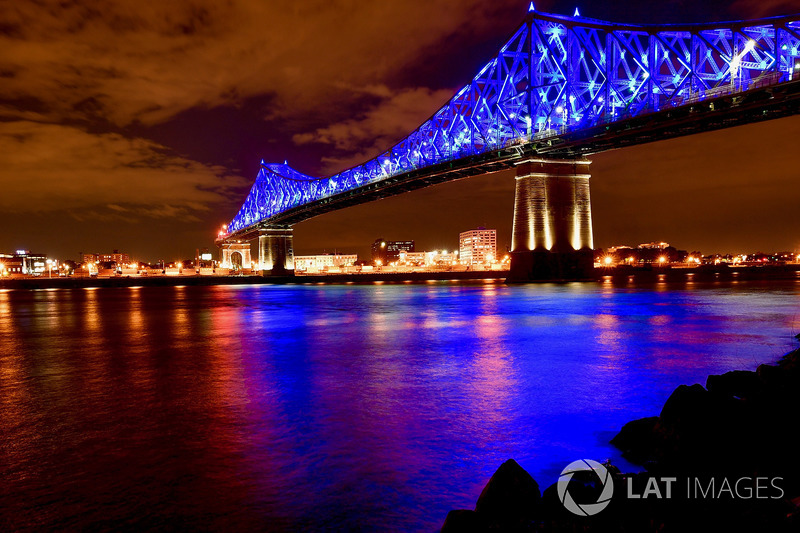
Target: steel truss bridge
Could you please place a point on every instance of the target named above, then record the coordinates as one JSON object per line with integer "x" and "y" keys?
{"x": 560, "y": 87}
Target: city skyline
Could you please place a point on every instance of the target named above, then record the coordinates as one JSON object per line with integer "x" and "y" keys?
{"x": 132, "y": 157}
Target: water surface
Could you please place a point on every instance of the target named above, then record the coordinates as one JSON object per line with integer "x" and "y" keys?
{"x": 373, "y": 406}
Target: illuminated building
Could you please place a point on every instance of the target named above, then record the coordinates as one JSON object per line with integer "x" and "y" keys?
{"x": 653, "y": 246}
{"x": 622, "y": 249}
{"x": 113, "y": 257}
{"x": 324, "y": 261}
{"x": 389, "y": 251}
{"x": 478, "y": 246}
{"x": 436, "y": 257}
{"x": 24, "y": 262}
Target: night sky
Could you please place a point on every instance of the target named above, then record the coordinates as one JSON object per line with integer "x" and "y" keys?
{"x": 140, "y": 126}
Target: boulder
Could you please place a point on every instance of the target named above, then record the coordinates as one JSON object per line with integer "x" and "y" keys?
{"x": 510, "y": 497}
{"x": 687, "y": 405}
{"x": 464, "y": 521}
{"x": 738, "y": 383}
{"x": 636, "y": 439}
{"x": 770, "y": 375}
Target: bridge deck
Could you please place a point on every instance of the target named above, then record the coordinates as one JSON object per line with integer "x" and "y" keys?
{"x": 755, "y": 105}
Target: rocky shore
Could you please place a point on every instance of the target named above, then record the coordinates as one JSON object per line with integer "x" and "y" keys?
{"x": 718, "y": 458}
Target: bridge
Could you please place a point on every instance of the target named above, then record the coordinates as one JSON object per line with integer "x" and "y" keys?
{"x": 559, "y": 90}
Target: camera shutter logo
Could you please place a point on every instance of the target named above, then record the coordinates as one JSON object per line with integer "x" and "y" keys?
{"x": 585, "y": 509}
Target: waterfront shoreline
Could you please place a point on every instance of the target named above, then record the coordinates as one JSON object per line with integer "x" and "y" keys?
{"x": 617, "y": 276}
{"x": 736, "y": 427}
{"x": 173, "y": 281}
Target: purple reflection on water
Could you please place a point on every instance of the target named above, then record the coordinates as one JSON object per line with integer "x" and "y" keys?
{"x": 372, "y": 406}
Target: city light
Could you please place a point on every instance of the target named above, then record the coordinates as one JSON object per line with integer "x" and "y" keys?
{"x": 607, "y": 260}
{"x": 662, "y": 259}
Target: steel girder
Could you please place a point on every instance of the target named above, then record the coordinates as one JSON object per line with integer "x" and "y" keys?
{"x": 557, "y": 75}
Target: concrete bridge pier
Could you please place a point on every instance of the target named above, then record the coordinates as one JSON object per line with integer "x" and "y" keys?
{"x": 275, "y": 251}
{"x": 552, "y": 235}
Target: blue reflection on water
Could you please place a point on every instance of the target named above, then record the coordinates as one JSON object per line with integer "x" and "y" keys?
{"x": 367, "y": 406}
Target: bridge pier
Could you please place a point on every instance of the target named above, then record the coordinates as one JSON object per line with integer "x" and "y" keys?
{"x": 235, "y": 255}
{"x": 275, "y": 251}
{"x": 552, "y": 235}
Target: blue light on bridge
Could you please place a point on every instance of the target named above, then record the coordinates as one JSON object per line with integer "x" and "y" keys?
{"x": 556, "y": 75}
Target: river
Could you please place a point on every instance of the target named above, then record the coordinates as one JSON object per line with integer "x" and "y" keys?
{"x": 374, "y": 406}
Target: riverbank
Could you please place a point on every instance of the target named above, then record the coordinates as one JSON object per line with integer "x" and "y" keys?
{"x": 717, "y": 458}
{"x": 618, "y": 276}
{"x": 173, "y": 281}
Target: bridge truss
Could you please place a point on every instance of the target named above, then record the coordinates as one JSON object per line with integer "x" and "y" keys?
{"x": 556, "y": 76}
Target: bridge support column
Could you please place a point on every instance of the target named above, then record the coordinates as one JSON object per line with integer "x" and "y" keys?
{"x": 552, "y": 236}
{"x": 275, "y": 252}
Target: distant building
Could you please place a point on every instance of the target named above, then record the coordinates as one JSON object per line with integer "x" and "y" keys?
{"x": 113, "y": 257}
{"x": 413, "y": 258}
{"x": 436, "y": 257}
{"x": 477, "y": 246}
{"x": 389, "y": 251}
{"x": 621, "y": 248}
{"x": 24, "y": 262}
{"x": 653, "y": 246}
{"x": 324, "y": 261}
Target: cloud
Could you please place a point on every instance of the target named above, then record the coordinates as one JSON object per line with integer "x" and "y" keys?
{"x": 130, "y": 61}
{"x": 46, "y": 167}
{"x": 364, "y": 137}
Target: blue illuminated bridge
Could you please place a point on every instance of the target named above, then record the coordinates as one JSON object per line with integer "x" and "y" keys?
{"x": 560, "y": 89}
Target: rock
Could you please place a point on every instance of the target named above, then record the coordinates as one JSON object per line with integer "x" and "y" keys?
{"x": 464, "y": 521}
{"x": 697, "y": 429}
{"x": 510, "y": 497}
{"x": 791, "y": 361}
{"x": 684, "y": 405}
{"x": 772, "y": 378}
{"x": 738, "y": 383}
{"x": 636, "y": 439}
